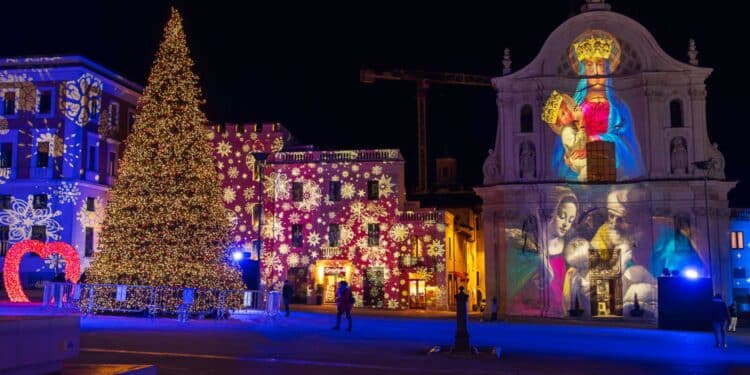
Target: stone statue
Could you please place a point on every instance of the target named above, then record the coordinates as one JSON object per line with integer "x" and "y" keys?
{"x": 527, "y": 160}
{"x": 490, "y": 167}
{"x": 716, "y": 171}
{"x": 678, "y": 156}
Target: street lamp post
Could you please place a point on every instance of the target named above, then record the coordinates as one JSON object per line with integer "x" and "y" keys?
{"x": 260, "y": 158}
{"x": 705, "y": 166}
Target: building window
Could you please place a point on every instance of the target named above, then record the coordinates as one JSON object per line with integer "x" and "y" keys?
{"x": 114, "y": 114}
{"x": 739, "y": 273}
{"x": 373, "y": 190}
{"x": 4, "y": 239}
{"x": 297, "y": 235}
{"x": 600, "y": 161}
{"x": 9, "y": 103}
{"x": 738, "y": 240}
{"x": 45, "y": 102}
{"x": 42, "y": 154}
{"x": 334, "y": 235}
{"x": 92, "y": 158}
{"x": 39, "y": 233}
{"x": 40, "y": 201}
{"x": 297, "y": 193}
{"x": 373, "y": 234}
{"x": 89, "y": 242}
{"x": 240, "y": 128}
{"x": 675, "y": 114}
{"x": 334, "y": 191}
{"x": 112, "y": 170}
{"x": 5, "y": 201}
{"x": 90, "y": 204}
{"x": 258, "y": 128}
{"x": 527, "y": 119}
{"x": 6, "y": 155}
{"x": 417, "y": 247}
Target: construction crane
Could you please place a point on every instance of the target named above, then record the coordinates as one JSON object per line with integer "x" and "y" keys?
{"x": 423, "y": 81}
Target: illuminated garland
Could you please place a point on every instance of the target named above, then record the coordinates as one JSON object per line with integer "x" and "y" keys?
{"x": 16, "y": 253}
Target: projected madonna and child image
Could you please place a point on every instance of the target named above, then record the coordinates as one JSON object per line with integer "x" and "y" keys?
{"x": 593, "y": 113}
{"x": 594, "y": 250}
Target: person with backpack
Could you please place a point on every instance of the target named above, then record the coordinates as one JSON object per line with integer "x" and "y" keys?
{"x": 344, "y": 303}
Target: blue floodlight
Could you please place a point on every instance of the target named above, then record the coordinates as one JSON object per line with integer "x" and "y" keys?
{"x": 691, "y": 273}
{"x": 237, "y": 255}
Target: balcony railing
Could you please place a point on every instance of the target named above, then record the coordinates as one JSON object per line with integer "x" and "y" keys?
{"x": 346, "y": 155}
{"x": 42, "y": 172}
{"x": 425, "y": 216}
{"x": 331, "y": 252}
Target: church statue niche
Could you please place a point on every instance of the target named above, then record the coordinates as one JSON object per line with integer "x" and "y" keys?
{"x": 490, "y": 167}
{"x": 527, "y": 160}
{"x": 678, "y": 156}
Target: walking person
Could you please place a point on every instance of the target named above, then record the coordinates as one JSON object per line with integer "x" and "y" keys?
{"x": 719, "y": 317}
{"x": 286, "y": 293}
{"x": 344, "y": 302}
{"x": 732, "y": 317}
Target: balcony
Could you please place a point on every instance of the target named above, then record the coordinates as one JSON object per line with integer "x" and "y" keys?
{"x": 423, "y": 216}
{"x": 331, "y": 252}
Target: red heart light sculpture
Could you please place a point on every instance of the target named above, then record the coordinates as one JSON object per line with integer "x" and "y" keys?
{"x": 44, "y": 250}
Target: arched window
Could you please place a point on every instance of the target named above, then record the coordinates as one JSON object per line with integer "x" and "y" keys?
{"x": 526, "y": 119}
{"x": 675, "y": 114}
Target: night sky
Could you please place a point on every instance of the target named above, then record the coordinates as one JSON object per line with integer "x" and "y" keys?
{"x": 299, "y": 64}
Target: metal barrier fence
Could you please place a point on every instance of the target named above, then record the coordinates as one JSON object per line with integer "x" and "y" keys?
{"x": 152, "y": 300}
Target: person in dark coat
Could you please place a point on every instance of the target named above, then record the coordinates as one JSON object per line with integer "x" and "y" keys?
{"x": 732, "y": 317}
{"x": 719, "y": 317}
{"x": 286, "y": 293}
{"x": 494, "y": 309}
{"x": 344, "y": 301}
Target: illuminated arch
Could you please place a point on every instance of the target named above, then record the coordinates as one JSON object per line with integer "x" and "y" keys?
{"x": 16, "y": 253}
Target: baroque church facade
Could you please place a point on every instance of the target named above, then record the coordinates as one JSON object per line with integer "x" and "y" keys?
{"x": 595, "y": 184}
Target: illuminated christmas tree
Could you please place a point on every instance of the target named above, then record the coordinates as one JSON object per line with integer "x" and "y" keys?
{"x": 166, "y": 225}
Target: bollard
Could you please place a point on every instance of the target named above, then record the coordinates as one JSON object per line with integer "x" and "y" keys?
{"x": 461, "y": 343}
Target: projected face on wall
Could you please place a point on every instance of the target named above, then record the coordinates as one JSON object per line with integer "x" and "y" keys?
{"x": 595, "y": 256}
{"x": 593, "y": 113}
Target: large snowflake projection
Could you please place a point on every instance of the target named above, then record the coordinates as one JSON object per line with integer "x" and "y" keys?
{"x": 399, "y": 232}
{"x": 277, "y": 185}
{"x": 436, "y": 248}
{"x": 223, "y": 148}
{"x": 385, "y": 186}
{"x": 313, "y": 239}
{"x": 273, "y": 229}
{"x": 48, "y": 137}
{"x": 311, "y": 196}
{"x": 21, "y": 217}
{"x": 83, "y": 99}
{"x": 229, "y": 194}
{"x": 92, "y": 219}
{"x": 424, "y": 273}
{"x": 278, "y": 144}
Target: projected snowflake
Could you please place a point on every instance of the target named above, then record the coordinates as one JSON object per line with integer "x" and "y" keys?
{"x": 83, "y": 99}
{"x": 21, "y": 217}
{"x": 66, "y": 192}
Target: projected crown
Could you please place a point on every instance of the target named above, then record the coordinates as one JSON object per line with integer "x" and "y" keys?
{"x": 552, "y": 108}
{"x": 593, "y": 48}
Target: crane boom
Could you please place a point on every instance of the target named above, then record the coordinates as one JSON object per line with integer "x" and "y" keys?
{"x": 423, "y": 79}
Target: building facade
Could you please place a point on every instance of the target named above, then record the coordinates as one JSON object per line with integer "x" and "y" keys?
{"x": 328, "y": 216}
{"x": 594, "y": 185}
{"x": 62, "y": 125}
{"x": 739, "y": 260}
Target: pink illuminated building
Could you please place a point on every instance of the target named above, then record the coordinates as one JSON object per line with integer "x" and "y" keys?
{"x": 328, "y": 216}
